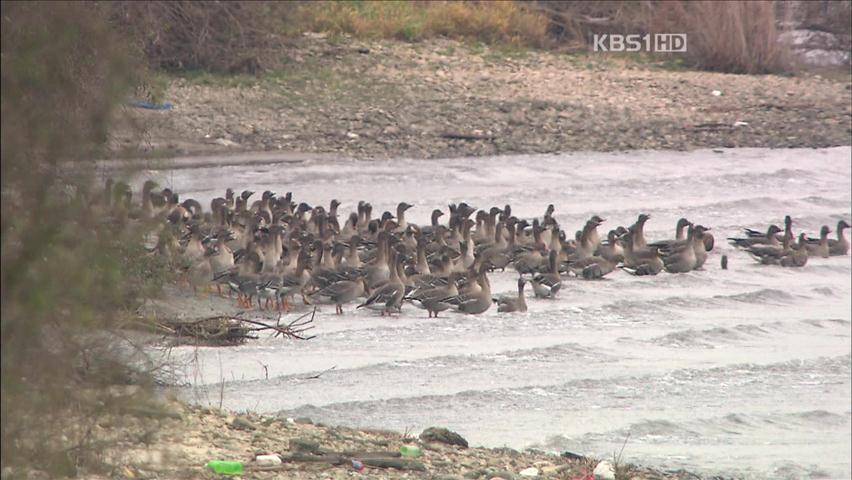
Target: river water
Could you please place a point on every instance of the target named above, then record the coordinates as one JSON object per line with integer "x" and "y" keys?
{"x": 742, "y": 372}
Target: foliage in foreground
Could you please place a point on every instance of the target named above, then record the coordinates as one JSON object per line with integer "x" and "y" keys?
{"x": 67, "y": 273}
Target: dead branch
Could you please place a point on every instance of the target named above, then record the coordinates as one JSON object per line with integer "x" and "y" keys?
{"x": 234, "y": 329}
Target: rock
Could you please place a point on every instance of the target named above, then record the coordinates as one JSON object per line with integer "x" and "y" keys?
{"x": 502, "y": 474}
{"x": 529, "y": 472}
{"x": 267, "y": 460}
{"x": 304, "y": 445}
{"x": 443, "y": 435}
{"x": 551, "y": 469}
{"x": 571, "y": 455}
{"x": 243, "y": 423}
{"x": 604, "y": 471}
{"x": 226, "y": 143}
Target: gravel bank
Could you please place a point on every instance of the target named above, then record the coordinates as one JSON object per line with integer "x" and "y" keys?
{"x": 175, "y": 441}
{"x": 445, "y": 99}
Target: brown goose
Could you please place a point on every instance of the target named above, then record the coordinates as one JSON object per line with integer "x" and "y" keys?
{"x": 548, "y": 284}
{"x": 798, "y": 257}
{"x": 839, "y": 246}
{"x": 339, "y": 293}
{"x": 387, "y": 298}
{"x": 769, "y": 238}
{"x": 645, "y": 261}
{"x": 820, "y": 249}
{"x": 475, "y": 301}
{"x": 680, "y": 236}
{"x": 431, "y": 299}
{"x": 508, "y": 304}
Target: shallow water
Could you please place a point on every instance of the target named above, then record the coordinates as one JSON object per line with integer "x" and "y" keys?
{"x": 744, "y": 372}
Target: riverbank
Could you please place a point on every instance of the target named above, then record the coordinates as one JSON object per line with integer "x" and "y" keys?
{"x": 442, "y": 98}
{"x": 175, "y": 440}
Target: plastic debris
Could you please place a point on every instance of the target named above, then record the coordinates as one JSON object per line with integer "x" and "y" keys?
{"x": 225, "y": 467}
{"x": 150, "y": 105}
{"x": 409, "y": 451}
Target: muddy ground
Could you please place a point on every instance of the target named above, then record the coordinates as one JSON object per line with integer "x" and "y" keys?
{"x": 446, "y": 99}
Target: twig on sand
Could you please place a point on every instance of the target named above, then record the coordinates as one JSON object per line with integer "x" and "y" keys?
{"x": 314, "y": 377}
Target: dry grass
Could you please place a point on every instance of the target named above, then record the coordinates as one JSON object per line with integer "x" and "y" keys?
{"x": 739, "y": 37}
{"x": 214, "y": 36}
{"x": 489, "y": 22}
{"x": 735, "y": 37}
{"x": 725, "y": 36}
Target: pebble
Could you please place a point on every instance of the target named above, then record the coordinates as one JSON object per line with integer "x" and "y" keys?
{"x": 529, "y": 472}
{"x": 226, "y": 143}
{"x": 267, "y": 460}
{"x": 604, "y": 471}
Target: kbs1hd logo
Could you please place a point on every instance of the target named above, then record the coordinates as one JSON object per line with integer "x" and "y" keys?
{"x": 652, "y": 43}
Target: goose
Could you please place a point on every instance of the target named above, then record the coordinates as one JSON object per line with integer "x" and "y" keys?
{"x": 548, "y": 284}
{"x": 770, "y": 254}
{"x": 591, "y": 268}
{"x": 388, "y": 296}
{"x": 682, "y": 259}
{"x": 700, "y": 245}
{"x": 841, "y": 245}
{"x": 222, "y": 259}
{"x": 508, "y": 304}
{"x": 588, "y": 240}
{"x": 400, "y": 215}
{"x": 477, "y": 299}
{"x": 294, "y": 282}
{"x": 638, "y": 231}
{"x": 788, "y": 230}
{"x": 431, "y": 299}
{"x": 646, "y": 261}
{"x": 433, "y": 225}
{"x": 769, "y": 238}
{"x": 798, "y": 256}
{"x": 611, "y": 249}
{"x": 821, "y": 248}
{"x": 339, "y": 293}
{"x": 379, "y": 271}
{"x": 680, "y": 228}
{"x": 594, "y": 238}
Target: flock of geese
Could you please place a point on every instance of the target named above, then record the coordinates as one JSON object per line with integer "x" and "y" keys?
{"x": 272, "y": 249}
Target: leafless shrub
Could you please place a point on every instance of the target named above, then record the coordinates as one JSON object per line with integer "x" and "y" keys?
{"x": 205, "y": 35}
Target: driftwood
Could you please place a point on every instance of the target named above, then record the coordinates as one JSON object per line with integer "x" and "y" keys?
{"x": 388, "y": 459}
{"x": 467, "y": 136}
{"x": 234, "y": 329}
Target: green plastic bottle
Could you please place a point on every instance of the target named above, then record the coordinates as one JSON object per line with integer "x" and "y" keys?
{"x": 225, "y": 467}
{"x": 409, "y": 451}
